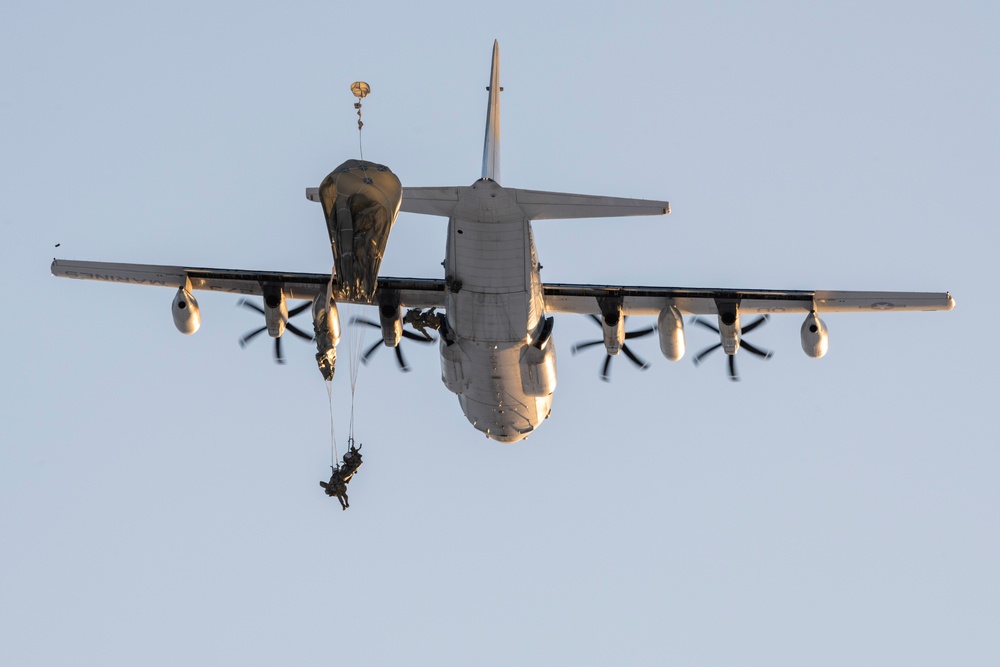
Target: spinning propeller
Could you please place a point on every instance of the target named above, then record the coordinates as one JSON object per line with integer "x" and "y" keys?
{"x": 400, "y": 359}
{"x": 744, "y": 345}
{"x": 278, "y": 358}
{"x": 606, "y": 369}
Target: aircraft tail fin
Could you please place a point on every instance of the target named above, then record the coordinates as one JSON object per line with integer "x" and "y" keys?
{"x": 491, "y": 147}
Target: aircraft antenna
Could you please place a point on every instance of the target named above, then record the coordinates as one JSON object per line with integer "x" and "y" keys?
{"x": 360, "y": 89}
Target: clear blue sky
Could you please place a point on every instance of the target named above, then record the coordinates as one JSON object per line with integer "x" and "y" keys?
{"x": 158, "y": 493}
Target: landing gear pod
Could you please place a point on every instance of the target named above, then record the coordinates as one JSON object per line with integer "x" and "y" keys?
{"x": 360, "y": 201}
{"x": 187, "y": 316}
{"x": 815, "y": 341}
{"x": 453, "y": 362}
{"x": 670, "y": 326}
{"x": 538, "y": 363}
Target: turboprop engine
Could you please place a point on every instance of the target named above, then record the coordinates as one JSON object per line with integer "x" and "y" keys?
{"x": 326, "y": 329}
{"x": 275, "y": 312}
{"x": 612, "y": 323}
{"x": 815, "y": 340}
{"x": 187, "y": 316}
{"x": 731, "y": 335}
{"x": 670, "y": 326}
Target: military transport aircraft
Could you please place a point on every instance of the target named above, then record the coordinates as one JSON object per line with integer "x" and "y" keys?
{"x": 491, "y": 311}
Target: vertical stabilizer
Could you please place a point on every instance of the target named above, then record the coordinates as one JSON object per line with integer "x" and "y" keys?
{"x": 491, "y": 147}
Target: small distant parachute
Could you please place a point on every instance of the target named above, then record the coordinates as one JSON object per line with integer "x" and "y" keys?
{"x": 360, "y": 89}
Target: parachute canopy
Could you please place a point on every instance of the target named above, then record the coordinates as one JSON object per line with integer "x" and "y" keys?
{"x": 360, "y": 201}
{"x": 360, "y": 89}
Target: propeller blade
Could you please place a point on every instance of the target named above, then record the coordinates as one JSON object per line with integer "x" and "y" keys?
{"x": 606, "y": 370}
{"x": 278, "y": 359}
{"x": 369, "y": 352}
{"x": 409, "y": 335}
{"x": 298, "y": 309}
{"x": 753, "y": 325}
{"x": 251, "y": 305}
{"x": 699, "y": 321}
{"x": 247, "y": 337}
{"x": 766, "y": 354}
{"x": 634, "y": 359}
{"x": 732, "y": 368}
{"x": 708, "y": 350}
{"x": 403, "y": 366}
{"x": 366, "y": 322}
{"x": 297, "y": 331}
{"x": 590, "y": 343}
{"x": 596, "y": 319}
{"x": 639, "y": 333}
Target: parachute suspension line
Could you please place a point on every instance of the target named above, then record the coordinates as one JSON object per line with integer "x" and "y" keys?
{"x": 360, "y": 90}
{"x": 334, "y": 454}
{"x": 355, "y": 354}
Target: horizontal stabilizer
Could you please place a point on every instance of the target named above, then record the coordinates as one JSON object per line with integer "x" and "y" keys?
{"x": 538, "y": 205}
{"x": 430, "y": 201}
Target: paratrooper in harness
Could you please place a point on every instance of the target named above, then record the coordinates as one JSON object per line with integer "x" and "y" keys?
{"x": 422, "y": 320}
{"x": 337, "y": 486}
{"x": 342, "y": 474}
{"x": 352, "y": 461}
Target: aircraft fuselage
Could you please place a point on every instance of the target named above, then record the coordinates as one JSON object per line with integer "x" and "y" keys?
{"x": 495, "y": 314}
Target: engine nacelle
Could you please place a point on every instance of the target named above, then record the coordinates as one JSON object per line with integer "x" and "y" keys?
{"x": 390, "y": 316}
{"x": 326, "y": 330}
{"x": 187, "y": 315}
{"x": 670, "y": 326}
{"x": 815, "y": 341}
{"x": 614, "y": 332}
{"x": 275, "y": 313}
{"x": 729, "y": 326}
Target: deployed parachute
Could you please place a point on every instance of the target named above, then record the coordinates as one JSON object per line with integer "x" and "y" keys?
{"x": 360, "y": 201}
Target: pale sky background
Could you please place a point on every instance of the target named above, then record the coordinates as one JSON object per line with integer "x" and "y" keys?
{"x": 158, "y": 493}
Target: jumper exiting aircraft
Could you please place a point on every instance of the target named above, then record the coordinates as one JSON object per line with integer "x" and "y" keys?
{"x": 491, "y": 311}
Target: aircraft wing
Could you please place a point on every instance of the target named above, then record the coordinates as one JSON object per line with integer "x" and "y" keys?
{"x": 583, "y": 299}
{"x": 559, "y": 298}
{"x": 413, "y": 293}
